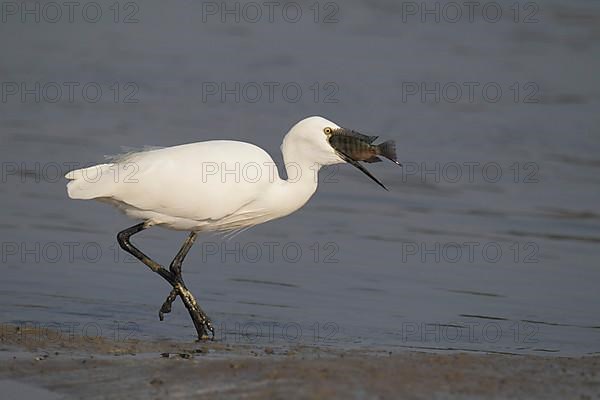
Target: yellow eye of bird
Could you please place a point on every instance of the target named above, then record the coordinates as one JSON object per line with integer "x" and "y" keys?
{"x": 327, "y": 131}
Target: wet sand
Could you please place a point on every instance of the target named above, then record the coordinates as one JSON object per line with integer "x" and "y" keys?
{"x": 77, "y": 367}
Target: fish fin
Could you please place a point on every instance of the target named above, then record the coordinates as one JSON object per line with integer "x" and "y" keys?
{"x": 351, "y": 133}
{"x": 373, "y": 159}
{"x": 388, "y": 150}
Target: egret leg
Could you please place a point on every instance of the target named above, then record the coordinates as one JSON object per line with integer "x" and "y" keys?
{"x": 175, "y": 269}
{"x": 201, "y": 321}
{"x": 179, "y": 289}
{"x": 123, "y": 239}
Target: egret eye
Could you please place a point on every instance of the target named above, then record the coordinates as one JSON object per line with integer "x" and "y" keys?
{"x": 328, "y": 131}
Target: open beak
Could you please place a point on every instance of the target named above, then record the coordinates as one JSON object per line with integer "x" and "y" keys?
{"x": 355, "y": 140}
{"x": 361, "y": 168}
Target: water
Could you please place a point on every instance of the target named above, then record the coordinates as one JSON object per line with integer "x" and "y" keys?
{"x": 415, "y": 268}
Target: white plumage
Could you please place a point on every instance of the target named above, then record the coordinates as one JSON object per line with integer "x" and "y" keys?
{"x": 218, "y": 185}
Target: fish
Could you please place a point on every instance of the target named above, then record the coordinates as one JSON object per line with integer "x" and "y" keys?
{"x": 360, "y": 147}
{"x": 354, "y": 147}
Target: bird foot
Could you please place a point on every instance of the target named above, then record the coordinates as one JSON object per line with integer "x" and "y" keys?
{"x": 167, "y": 305}
{"x": 208, "y": 328}
{"x": 202, "y": 323}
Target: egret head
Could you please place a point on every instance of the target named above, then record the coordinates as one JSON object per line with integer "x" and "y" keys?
{"x": 316, "y": 140}
{"x": 308, "y": 140}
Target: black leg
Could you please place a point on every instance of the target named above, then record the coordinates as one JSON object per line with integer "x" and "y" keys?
{"x": 175, "y": 266}
{"x": 123, "y": 239}
{"x": 199, "y": 317}
{"x": 201, "y": 321}
{"x": 175, "y": 269}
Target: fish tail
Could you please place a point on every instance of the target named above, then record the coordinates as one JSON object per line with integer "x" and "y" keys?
{"x": 388, "y": 150}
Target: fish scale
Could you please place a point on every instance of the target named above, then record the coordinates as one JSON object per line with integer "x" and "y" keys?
{"x": 360, "y": 147}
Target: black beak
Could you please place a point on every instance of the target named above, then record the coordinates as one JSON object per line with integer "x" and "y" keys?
{"x": 360, "y": 167}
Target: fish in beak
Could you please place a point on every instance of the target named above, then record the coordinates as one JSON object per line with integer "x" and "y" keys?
{"x": 354, "y": 147}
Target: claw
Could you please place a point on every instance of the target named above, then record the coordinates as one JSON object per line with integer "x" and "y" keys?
{"x": 207, "y": 328}
{"x": 211, "y": 329}
{"x": 167, "y": 305}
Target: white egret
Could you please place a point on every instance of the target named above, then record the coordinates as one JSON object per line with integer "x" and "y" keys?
{"x": 219, "y": 185}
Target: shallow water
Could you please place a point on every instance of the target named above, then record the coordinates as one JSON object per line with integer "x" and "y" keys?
{"x": 453, "y": 257}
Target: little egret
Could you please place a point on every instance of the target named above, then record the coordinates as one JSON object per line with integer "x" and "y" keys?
{"x": 219, "y": 185}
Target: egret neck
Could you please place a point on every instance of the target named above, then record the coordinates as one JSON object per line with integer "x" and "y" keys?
{"x": 287, "y": 196}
